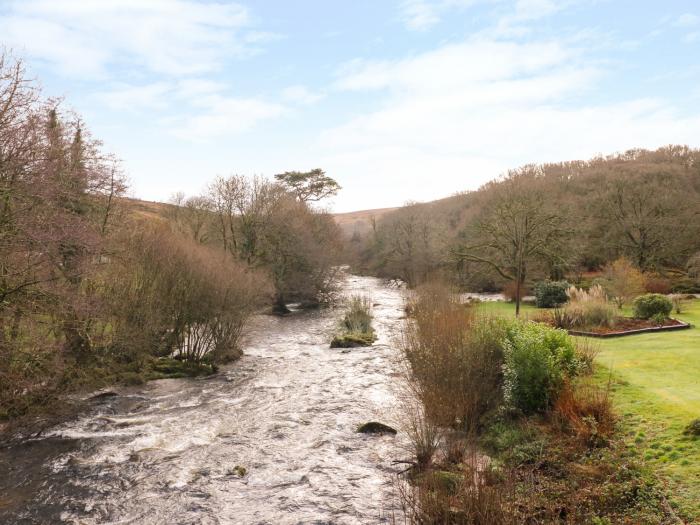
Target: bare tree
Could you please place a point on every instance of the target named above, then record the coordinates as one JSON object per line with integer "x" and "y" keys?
{"x": 517, "y": 229}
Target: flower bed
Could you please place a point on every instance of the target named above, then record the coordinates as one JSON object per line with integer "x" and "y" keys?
{"x": 630, "y": 326}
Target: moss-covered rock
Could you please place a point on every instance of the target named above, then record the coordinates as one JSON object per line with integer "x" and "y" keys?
{"x": 353, "y": 340}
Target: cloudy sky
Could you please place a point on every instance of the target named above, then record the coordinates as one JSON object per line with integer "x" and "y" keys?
{"x": 399, "y": 100}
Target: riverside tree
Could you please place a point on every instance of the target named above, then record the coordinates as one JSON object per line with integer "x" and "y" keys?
{"x": 89, "y": 294}
{"x": 271, "y": 226}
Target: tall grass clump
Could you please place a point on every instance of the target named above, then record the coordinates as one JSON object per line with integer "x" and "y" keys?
{"x": 585, "y": 309}
{"x": 585, "y": 409}
{"x": 356, "y": 325}
{"x": 454, "y": 356}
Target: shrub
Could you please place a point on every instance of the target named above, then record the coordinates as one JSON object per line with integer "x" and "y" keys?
{"x": 586, "y": 410}
{"x": 693, "y": 428}
{"x": 693, "y": 267}
{"x": 658, "y": 284}
{"x": 537, "y": 360}
{"x": 585, "y": 309}
{"x": 653, "y": 304}
{"x": 686, "y": 285}
{"x": 455, "y": 358}
{"x": 174, "y": 297}
{"x": 622, "y": 281}
{"x": 549, "y": 294}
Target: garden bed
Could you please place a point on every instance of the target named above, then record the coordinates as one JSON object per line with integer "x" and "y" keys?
{"x": 630, "y": 326}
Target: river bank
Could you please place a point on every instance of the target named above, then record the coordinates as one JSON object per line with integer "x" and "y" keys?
{"x": 270, "y": 439}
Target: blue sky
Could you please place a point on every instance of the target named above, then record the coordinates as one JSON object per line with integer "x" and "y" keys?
{"x": 399, "y": 100}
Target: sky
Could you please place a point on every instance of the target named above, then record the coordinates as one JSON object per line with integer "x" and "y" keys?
{"x": 398, "y": 100}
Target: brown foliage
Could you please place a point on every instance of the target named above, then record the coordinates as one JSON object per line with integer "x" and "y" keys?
{"x": 455, "y": 358}
{"x": 178, "y": 297}
{"x": 658, "y": 284}
{"x": 586, "y": 411}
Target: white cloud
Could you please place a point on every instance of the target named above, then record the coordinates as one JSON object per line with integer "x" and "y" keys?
{"x": 220, "y": 115}
{"x": 693, "y": 37}
{"x": 468, "y": 111}
{"x": 454, "y": 66}
{"x": 687, "y": 20}
{"x": 421, "y": 15}
{"x": 136, "y": 98}
{"x": 299, "y": 94}
{"x": 88, "y": 37}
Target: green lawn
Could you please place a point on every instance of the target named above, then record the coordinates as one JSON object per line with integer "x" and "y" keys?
{"x": 656, "y": 387}
{"x": 503, "y": 308}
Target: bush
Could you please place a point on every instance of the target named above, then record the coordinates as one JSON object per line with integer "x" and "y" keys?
{"x": 658, "y": 284}
{"x": 693, "y": 428}
{"x": 622, "y": 281}
{"x": 693, "y": 267}
{"x": 653, "y": 304}
{"x": 686, "y": 285}
{"x": 170, "y": 296}
{"x": 537, "y": 360}
{"x": 549, "y": 294}
{"x": 586, "y": 411}
{"x": 455, "y": 358}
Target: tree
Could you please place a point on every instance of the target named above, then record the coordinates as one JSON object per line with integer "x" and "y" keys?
{"x": 309, "y": 186}
{"x": 622, "y": 281}
{"x": 648, "y": 219}
{"x": 517, "y": 228}
{"x": 269, "y": 226}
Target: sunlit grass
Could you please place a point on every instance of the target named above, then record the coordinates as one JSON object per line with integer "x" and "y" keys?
{"x": 656, "y": 386}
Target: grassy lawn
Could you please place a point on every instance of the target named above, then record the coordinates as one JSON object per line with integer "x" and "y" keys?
{"x": 505, "y": 309}
{"x": 656, "y": 383}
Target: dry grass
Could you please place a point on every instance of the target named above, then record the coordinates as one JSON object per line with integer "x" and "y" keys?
{"x": 586, "y": 411}
{"x": 465, "y": 492}
{"x": 585, "y": 309}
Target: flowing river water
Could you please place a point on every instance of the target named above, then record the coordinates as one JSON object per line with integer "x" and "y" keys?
{"x": 287, "y": 412}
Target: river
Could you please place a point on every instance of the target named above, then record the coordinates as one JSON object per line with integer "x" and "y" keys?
{"x": 287, "y": 412}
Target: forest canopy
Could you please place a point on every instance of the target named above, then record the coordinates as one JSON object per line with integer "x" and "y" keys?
{"x": 545, "y": 221}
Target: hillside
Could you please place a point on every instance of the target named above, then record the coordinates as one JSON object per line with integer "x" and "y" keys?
{"x": 349, "y": 222}
{"x": 639, "y": 204}
{"x": 359, "y": 222}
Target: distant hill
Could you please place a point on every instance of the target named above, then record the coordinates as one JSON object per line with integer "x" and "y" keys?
{"x": 148, "y": 209}
{"x": 359, "y": 221}
{"x": 349, "y": 222}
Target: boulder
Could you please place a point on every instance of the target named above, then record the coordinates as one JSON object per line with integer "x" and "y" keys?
{"x": 375, "y": 427}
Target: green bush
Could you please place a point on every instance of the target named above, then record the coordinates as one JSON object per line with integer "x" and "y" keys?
{"x": 537, "y": 359}
{"x": 549, "y": 294}
{"x": 652, "y": 305}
